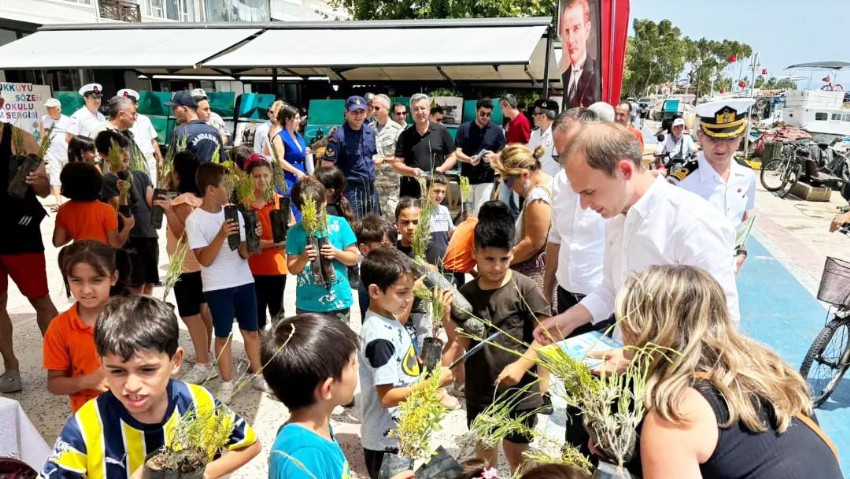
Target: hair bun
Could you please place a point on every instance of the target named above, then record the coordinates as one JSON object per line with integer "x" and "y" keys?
{"x": 538, "y": 153}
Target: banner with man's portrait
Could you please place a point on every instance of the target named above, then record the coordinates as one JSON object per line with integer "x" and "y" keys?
{"x": 578, "y": 29}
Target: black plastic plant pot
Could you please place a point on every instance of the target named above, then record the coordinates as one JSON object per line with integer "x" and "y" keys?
{"x": 606, "y": 470}
{"x": 393, "y": 464}
{"x": 125, "y": 210}
{"x": 461, "y": 309}
{"x": 157, "y": 213}
{"x": 316, "y": 263}
{"x": 441, "y": 466}
{"x": 252, "y": 241}
{"x": 18, "y": 185}
{"x": 327, "y": 264}
{"x": 231, "y": 212}
{"x": 280, "y": 220}
{"x": 432, "y": 352}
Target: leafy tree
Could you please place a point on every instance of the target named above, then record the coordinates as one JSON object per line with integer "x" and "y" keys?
{"x": 774, "y": 83}
{"x": 426, "y": 9}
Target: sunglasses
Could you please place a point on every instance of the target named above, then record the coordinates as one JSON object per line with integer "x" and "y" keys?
{"x": 484, "y": 114}
{"x": 400, "y": 113}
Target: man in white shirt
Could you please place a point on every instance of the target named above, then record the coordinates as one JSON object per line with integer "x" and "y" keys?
{"x": 57, "y": 125}
{"x": 145, "y": 135}
{"x": 651, "y": 222}
{"x": 543, "y": 116}
{"x": 714, "y": 175}
{"x": 87, "y": 118}
{"x": 676, "y": 148}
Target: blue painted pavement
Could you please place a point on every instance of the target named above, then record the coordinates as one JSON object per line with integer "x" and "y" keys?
{"x": 778, "y": 311}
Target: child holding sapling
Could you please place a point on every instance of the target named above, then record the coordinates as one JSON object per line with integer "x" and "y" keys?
{"x": 269, "y": 266}
{"x": 92, "y": 274}
{"x": 321, "y": 288}
{"x": 407, "y": 216}
{"x": 226, "y": 277}
{"x": 137, "y": 342}
{"x": 311, "y": 365}
{"x": 513, "y": 303}
{"x": 373, "y": 231}
{"x": 388, "y": 361}
{"x": 440, "y": 225}
{"x": 188, "y": 288}
{"x": 84, "y": 217}
{"x": 333, "y": 179}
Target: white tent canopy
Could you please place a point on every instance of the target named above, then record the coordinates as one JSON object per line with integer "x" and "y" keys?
{"x": 111, "y": 47}
{"x": 481, "y": 50}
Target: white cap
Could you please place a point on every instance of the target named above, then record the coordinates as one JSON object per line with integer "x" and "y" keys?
{"x": 199, "y": 93}
{"x": 53, "y": 103}
{"x": 94, "y": 88}
{"x": 678, "y": 122}
{"x": 740, "y": 105}
{"x": 128, "y": 93}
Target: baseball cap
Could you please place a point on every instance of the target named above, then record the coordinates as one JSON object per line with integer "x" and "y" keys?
{"x": 355, "y": 103}
{"x": 94, "y": 89}
{"x": 182, "y": 98}
{"x": 53, "y": 103}
{"x": 545, "y": 104}
{"x": 199, "y": 94}
{"x": 678, "y": 122}
{"x": 128, "y": 93}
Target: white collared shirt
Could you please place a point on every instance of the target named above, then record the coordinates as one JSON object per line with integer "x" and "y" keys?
{"x": 541, "y": 137}
{"x": 261, "y": 137}
{"x": 144, "y": 133}
{"x": 685, "y": 145}
{"x": 666, "y": 226}
{"x": 732, "y": 198}
{"x": 581, "y": 234}
{"x": 84, "y": 122}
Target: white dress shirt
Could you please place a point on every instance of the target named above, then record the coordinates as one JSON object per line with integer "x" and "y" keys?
{"x": 581, "y": 234}
{"x": 261, "y": 137}
{"x": 543, "y": 138}
{"x": 144, "y": 133}
{"x": 685, "y": 145}
{"x": 732, "y": 198}
{"x": 84, "y": 122}
{"x": 666, "y": 226}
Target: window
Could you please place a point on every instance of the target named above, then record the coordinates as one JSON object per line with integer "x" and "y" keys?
{"x": 179, "y": 10}
{"x": 84, "y": 2}
{"x": 836, "y": 116}
{"x": 821, "y": 117}
{"x": 153, "y": 8}
{"x": 846, "y": 117}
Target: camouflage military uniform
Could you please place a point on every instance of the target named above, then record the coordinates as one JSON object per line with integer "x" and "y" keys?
{"x": 386, "y": 181}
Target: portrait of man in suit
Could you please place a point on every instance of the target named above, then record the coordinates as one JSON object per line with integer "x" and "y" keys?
{"x": 580, "y": 70}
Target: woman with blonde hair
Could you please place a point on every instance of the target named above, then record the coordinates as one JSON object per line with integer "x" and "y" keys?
{"x": 520, "y": 170}
{"x": 274, "y": 130}
{"x": 720, "y": 405}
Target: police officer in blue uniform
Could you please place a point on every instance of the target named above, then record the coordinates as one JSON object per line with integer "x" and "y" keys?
{"x": 352, "y": 149}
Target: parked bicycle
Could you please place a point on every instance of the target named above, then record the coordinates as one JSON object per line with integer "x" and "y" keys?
{"x": 828, "y": 357}
{"x": 817, "y": 164}
{"x": 782, "y": 173}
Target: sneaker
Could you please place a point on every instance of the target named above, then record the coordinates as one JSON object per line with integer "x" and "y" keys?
{"x": 10, "y": 382}
{"x": 225, "y": 392}
{"x": 258, "y": 383}
{"x": 199, "y": 374}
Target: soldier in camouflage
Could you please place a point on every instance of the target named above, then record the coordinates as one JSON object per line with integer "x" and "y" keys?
{"x": 386, "y": 181}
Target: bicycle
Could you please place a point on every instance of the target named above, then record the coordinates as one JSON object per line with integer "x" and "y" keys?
{"x": 828, "y": 357}
{"x": 782, "y": 173}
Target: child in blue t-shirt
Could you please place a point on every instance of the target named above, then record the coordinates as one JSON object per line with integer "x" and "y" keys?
{"x": 334, "y": 299}
{"x": 311, "y": 365}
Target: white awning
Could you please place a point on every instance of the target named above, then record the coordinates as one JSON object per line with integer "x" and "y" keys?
{"x": 172, "y": 49}
{"x": 468, "y": 53}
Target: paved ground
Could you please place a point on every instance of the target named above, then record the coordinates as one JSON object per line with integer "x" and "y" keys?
{"x": 776, "y": 286}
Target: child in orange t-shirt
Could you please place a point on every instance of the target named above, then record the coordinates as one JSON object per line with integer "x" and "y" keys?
{"x": 91, "y": 273}
{"x": 84, "y": 217}
{"x": 268, "y": 267}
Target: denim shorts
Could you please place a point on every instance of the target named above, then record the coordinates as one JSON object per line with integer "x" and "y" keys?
{"x": 224, "y": 304}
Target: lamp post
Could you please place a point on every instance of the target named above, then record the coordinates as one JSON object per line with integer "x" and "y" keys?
{"x": 713, "y": 79}
{"x": 697, "y": 66}
{"x": 754, "y": 65}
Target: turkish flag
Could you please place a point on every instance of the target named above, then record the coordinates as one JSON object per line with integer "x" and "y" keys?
{"x": 732, "y": 58}
{"x": 722, "y": 91}
{"x": 614, "y": 16}
{"x": 742, "y": 84}
{"x": 826, "y": 79}
{"x": 764, "y": 71}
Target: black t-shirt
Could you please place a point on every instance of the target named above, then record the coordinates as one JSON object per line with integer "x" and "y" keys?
{"x": 19, "y": 219}
{"x": 513, "y": 308}
{"x": 201, "y": 139}
{"x": 425, "y": 152}
{"x": 471, "y": 139}
{"x": 138, "y": 206}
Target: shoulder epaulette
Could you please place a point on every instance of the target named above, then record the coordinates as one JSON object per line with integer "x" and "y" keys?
{"x": 685, "y": 170}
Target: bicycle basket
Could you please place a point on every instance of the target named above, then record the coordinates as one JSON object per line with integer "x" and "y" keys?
{"x": 835, "y": 283}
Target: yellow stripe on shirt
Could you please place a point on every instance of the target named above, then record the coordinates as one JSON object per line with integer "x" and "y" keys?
{"x": 90, "y": 424}
{"x": 134, "y": 447}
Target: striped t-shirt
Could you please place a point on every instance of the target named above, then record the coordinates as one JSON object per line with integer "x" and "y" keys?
{"x": 102, "y": 440}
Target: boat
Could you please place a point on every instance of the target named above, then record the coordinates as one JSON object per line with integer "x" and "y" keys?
{"x": 824, "y": 113}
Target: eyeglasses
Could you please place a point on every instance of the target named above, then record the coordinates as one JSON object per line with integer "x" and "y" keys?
{"x": 556, "y": 157}
{"x": 484, "y": 114}
{"x": 401, "y": 113}
{"x": 537, "y": 112}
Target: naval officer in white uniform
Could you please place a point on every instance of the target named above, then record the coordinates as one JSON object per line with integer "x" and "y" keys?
{"x": 714, "y": 174}
{"x": 87, "y": 118}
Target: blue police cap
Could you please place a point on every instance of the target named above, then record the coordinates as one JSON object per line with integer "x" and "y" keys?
{"x": 355, "y": 103}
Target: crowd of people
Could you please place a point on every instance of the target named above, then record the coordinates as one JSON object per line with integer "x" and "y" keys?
{"x": 568, "y": 231}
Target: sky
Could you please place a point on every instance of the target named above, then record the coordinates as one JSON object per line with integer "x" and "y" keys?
{"x": 784, "y": 32}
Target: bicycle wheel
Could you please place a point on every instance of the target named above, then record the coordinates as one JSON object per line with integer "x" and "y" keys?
{"x": 825, "y": 363}
{"x": 792, "y": 175}
{"x": 772, "y": 174}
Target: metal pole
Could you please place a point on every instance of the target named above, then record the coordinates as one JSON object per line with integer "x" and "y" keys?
{"x": 275, "y": 86}
{"x": 749, "y": 110}
{"x": 96, "y": 4}
{"x": 546, "y": 67}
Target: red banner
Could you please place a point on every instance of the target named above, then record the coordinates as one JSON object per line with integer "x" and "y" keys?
{"x": 615, "y": 33}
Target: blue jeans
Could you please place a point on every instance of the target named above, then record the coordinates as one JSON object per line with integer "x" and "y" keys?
{"x": 239, "y": 301}
{"x": 363, "y": 198}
